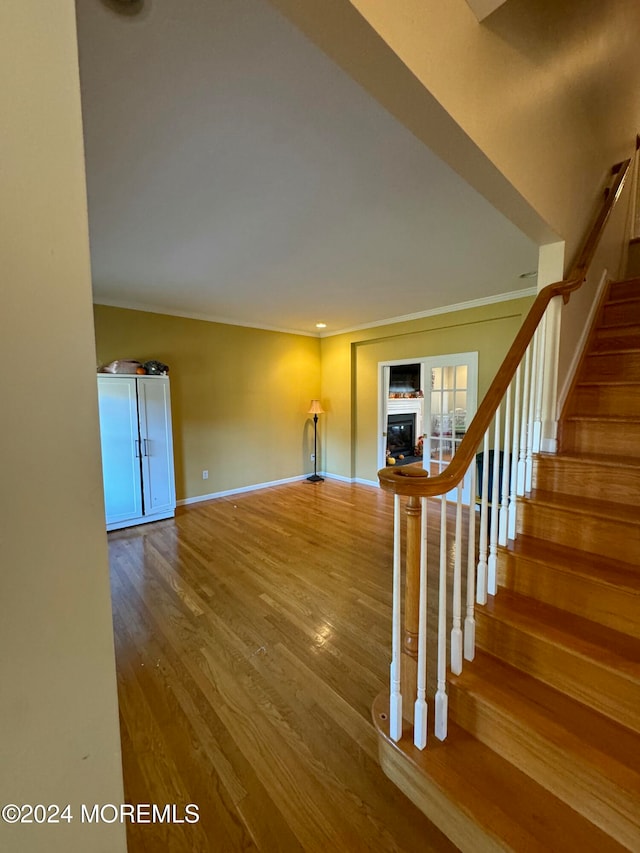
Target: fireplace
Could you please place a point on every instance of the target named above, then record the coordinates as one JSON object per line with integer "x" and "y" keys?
{"x": 401, "y": 429}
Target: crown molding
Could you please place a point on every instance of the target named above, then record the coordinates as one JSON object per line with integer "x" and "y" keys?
{"x": 188, "y": 315}
{"x": 432, "y": 312}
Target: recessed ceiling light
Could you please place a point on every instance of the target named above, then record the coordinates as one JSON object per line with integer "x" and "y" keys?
{"x": 531, "y": 274}
{"x": 321, "y": 325}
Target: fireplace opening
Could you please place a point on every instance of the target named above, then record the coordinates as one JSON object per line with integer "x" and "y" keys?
{"x": 401, "y": 430}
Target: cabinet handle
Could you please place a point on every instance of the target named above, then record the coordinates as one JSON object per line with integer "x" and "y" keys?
{"x": 137, "y": 446}
{"x": 146, "y": 448}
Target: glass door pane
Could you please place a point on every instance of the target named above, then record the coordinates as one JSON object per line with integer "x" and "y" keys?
{"x": 451, "y": 404}
{"x": 449, "y": 412}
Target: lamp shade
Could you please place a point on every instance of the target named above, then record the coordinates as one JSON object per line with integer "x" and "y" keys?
{"x": 315, "y": 408}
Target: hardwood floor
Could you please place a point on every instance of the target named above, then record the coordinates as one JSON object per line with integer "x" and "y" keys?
{"x": 252, "y": 635}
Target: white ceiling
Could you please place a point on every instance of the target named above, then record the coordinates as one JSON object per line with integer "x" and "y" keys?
{"x": 235, "y": 173}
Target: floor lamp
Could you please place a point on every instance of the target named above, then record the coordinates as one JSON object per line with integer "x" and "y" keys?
{"x": 315, "y": 409}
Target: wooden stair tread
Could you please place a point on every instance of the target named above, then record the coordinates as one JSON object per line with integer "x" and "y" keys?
{"x": 586, "y": 506}
{"x": 580, "y": 730}
{"x": 622, "y": 300}
{"x": 617, "y": 312}
{"x": 621, "y": 338}
{"x": 604, "y": 459}
{"x": 619, "y": 326}
{"x": 608, "y": 419}
{"x": 604, "y": 570}
{"x": 616, "y": 383}
{"x": 480, "y": 800}
{"x": 610, "y": 649}
{"x": 583, "y": 758}
{"x": 599, "y": 353}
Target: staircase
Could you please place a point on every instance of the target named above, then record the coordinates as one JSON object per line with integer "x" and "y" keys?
{"x": 543, "y": 751}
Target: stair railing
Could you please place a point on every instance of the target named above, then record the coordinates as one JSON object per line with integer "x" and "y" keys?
{"x": 505, "y": 465}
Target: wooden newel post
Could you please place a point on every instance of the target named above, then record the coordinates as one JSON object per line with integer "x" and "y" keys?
{"x": 411, "y": 608}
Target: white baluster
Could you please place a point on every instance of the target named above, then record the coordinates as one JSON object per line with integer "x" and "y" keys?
{"x": 441, "y": 701}
{"x": 522, "y": 466}
{"x": 540, "y": 367}
{"x": 395, "y": 702}
{"x": 552, "y": 318}
{"x": 492, "y": 564}
{"x": 528, "y": 477}
{"x": 420, "y": 708}
{"x": 470, "y": 621}
{"x": 506, "y": 471}
{"x": 481, "y": 589}
{"x": 456, "y": 630}
{"x": 513, "y": 497}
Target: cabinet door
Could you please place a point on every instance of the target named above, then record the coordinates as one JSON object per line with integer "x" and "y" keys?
{"x": 120, "y": 448}
{"x": 154, "y": 409}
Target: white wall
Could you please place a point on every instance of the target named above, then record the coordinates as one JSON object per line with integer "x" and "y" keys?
{"x": 548, "y": 91}
{"x": 59, "y": 739}
{"x": 531, "y": 106}
{"x": 608, "y": 264}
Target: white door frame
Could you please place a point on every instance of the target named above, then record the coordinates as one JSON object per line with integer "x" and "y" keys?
{"x": 383, "y": 400}
{"x": 470, "y": 359}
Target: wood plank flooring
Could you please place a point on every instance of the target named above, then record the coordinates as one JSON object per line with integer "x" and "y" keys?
{"x": 252, "y": 635}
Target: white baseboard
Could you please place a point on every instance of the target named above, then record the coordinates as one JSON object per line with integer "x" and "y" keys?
{"x": 228, "y": 492}
{"x": 358, "y": 480}
{"x": 225, "y": 494}
{"x": 142, "y": 519}
{"x": 336, "y": 477}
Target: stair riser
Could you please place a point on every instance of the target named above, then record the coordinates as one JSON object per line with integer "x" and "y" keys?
{"x": 615, "y": 338}
{"x": 600, "y": 688}
{"x": 608, "y": 537}
{"x": 617, "y": 439}
{"x": 616, "y": 367}
{"x": 579, "y": 784}
{"x": 586, "y": 479}
{"x": 621, "y": 313}
{"x": 461, "y": 829}
{"x": 612, "y": 606}
{"x": 624, "y": 289}
{"x": 607, "y": 400}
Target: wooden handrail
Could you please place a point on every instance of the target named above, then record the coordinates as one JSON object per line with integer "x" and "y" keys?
{"x": 414, "y": 481}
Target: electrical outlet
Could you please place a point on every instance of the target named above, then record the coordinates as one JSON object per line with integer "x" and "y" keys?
{"x": 205, "y": 475}
{"x": 313, "y": 457}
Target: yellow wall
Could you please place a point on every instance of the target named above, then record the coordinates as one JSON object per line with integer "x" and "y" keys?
{"x": 59, "y": 737}
{"x": 350, "y": 371}
{"x": 239, "y": 396}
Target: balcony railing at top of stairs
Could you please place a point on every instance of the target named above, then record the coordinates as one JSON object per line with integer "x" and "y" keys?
{"x": 515, "y": 396}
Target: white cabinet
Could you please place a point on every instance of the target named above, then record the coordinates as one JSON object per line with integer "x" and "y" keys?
{"x": 137, "y": 449}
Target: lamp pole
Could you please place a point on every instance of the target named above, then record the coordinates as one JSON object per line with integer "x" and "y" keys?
{"x": 315, "y": 409}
